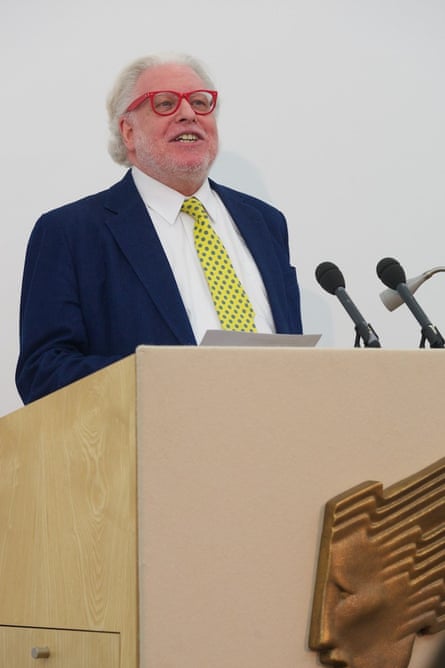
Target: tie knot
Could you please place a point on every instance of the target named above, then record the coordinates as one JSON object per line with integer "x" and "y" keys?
{"x": 195, "y": 208}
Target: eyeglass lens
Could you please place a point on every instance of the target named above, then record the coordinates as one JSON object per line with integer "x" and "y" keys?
{"x": 167, "y": 102}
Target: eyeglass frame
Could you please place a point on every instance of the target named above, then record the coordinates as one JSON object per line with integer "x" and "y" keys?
{"x": 181, "y": 96}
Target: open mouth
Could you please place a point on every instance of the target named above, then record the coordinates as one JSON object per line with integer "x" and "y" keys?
{"x": 187, "y": 138}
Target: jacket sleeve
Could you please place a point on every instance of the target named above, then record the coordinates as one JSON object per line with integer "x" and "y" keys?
{"x": 53, "y": 336}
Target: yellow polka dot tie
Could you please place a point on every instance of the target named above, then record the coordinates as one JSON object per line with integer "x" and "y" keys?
{"x": 232, "y": 304}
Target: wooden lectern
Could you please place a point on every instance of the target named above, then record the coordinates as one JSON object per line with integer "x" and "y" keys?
{"x": 165, "y": 511}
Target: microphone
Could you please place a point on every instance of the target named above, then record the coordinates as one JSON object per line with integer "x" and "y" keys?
{"x": 331, "y": 279}
{"x": 393, "y": 300}
{"x": 392, "y": 274}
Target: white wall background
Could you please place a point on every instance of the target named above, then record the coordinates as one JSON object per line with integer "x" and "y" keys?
{"x": 333, "y": 110}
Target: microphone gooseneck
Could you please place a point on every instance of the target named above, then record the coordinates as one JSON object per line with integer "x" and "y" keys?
{"x": 391, "y": 298}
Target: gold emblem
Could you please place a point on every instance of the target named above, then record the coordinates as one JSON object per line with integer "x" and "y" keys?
{"x": 381, "y": 570}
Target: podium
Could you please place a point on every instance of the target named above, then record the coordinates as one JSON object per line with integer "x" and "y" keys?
{"x": 165, "y": 512}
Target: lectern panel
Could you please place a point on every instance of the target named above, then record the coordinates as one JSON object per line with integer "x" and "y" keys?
{"x": 239, "y": 449}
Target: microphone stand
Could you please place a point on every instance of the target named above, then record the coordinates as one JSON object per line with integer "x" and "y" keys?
{"x": 363, "y": 329}
{"x": 434, "y": 337}
{"x": 367, "y": 335}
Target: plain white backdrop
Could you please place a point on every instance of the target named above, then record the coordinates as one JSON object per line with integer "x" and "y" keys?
{"x": 333, "y": 110}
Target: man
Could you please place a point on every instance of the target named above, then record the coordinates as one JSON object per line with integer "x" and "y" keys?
{"x": 119, "y": 268}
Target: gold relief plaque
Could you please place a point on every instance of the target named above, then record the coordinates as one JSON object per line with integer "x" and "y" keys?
{"x": 381, "y": 570}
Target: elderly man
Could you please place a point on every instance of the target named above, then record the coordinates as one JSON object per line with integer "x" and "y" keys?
{"x": 162, "y": 256}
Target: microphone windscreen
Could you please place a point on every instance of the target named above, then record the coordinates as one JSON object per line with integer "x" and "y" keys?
{"x": 391, "y": 272}
{"x": 329, "y": 277}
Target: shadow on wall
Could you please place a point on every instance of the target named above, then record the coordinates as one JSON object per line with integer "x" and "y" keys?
{"x": 231, "y": 169}
{"x": 317, "y": 318}
{"x": 439, "y": 659}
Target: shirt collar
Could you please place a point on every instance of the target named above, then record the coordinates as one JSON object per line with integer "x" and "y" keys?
{"x": 166, "y": 201}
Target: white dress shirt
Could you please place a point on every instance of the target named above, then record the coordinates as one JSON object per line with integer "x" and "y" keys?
{"x": 175, "y": 231}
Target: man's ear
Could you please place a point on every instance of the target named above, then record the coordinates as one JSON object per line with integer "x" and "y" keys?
{"x": 126, "y": 129}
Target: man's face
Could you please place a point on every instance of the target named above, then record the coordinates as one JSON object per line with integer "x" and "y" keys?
{"x": 177, "y": 150}
{"x": 362, "y": 615}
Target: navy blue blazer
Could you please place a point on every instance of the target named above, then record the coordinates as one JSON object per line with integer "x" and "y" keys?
{"x": 97, "y": 284}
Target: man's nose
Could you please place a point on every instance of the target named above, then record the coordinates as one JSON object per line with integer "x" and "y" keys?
{"x": 321, "y": 635}
{"x": 185, "y": 110}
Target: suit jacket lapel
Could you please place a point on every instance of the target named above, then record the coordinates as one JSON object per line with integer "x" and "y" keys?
{"x": 131, "y": 226}
{"x": 257, "y": 237}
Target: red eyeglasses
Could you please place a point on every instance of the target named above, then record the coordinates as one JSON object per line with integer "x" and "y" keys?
{"x": 166, "y": 102}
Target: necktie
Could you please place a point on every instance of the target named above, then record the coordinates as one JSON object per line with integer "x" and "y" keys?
{"x": 232, "y": 304}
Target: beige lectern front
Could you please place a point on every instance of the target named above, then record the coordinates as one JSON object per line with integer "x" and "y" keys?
{"x": 165, "y": 512}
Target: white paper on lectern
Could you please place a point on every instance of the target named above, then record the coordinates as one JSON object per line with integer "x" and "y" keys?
{"x": 218, "y": 337}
